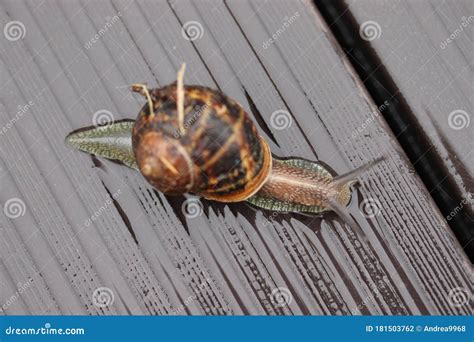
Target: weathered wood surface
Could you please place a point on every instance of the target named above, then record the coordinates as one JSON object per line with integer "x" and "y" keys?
{"x": 231, "y": 258}
{"x": 426, "y": 46}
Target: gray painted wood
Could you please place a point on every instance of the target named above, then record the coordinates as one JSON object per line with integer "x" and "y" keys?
{"x": 426, "y": 46}
{"x": 231, "y": 258}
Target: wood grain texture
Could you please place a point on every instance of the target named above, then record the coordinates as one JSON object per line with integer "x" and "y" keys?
{"x": 73, "y": 239}
{"x": 427, "y": 48}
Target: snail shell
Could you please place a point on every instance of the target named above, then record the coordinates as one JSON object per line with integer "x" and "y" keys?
{"x": 219, "y": 154}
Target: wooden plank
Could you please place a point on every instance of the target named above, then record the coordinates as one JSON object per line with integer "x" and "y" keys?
{"x": 426, "y": 46}
{"x": 232, "y": 258}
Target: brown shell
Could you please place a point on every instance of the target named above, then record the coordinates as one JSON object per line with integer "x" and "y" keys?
{"x": 219, "y": 155}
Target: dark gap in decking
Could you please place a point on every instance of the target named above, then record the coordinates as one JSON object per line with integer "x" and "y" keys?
{"x": 301, "y": 304}
{"x": 259, "y": 118}
{"x": 277, "y": 89}
{"x": 400, "y": 118}
{"x": 122, "y": 214}
{"x": 228, "y": 282}
{"x": 96, "y": 161}
{"x": 177, "y": 202}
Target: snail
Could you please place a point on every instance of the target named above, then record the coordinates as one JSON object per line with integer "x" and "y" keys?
{"x": 193, "y": 139}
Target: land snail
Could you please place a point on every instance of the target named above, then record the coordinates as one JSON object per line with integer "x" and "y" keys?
{"x": 192, "y": 139}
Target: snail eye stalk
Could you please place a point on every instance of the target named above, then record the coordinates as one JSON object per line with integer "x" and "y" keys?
{"x": 180, "y": 93}
{"x": 142, "y": 89}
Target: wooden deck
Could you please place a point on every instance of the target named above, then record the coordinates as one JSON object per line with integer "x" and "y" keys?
{"x": 431, "y": 72}
{"x": 70, "y": 242}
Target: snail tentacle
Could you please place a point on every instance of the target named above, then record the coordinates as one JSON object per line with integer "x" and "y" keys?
{"x": 142, "y": 89}
{"x": 180, "y": 94}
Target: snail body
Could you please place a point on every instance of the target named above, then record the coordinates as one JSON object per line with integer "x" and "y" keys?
{"x": 298, "y": 185}
{"x": 193, "y": 139}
